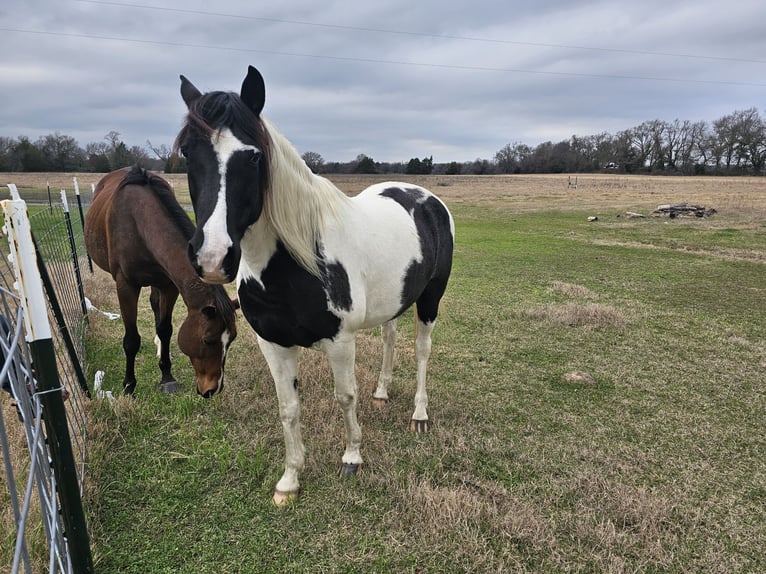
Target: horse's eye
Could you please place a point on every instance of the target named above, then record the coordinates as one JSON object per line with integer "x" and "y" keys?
{"x": 208, "y": 342}
{"x": 255, "y": 158}
{"x": 183, "y": 150}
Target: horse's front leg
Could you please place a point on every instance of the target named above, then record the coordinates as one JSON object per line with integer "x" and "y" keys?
{"x": 127, "y": 295}
{"x": 341, "y": 354}
{"x": 162, "y": 303}
{"x": 283, "y": 364}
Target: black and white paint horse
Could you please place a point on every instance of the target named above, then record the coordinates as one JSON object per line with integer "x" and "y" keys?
{"x": 313, "y": 266}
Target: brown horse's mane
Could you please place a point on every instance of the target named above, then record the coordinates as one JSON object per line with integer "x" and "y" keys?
{"x": 162, "y": 190}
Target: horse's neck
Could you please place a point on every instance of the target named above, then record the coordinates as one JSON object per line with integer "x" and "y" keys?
{"x": 195, "y": 293}
{"x": 177, "y": 267}
{"x": 300, "y": 204}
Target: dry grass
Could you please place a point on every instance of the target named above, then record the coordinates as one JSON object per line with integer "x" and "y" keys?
{"x": 626, "y": 467}
{"x": 19, "y": 457}
{"x": 580, "y": 315}
{"x": 599, "y": 192}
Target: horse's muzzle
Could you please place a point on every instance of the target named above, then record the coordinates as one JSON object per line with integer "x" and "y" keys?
{"x": 211, "y": 392}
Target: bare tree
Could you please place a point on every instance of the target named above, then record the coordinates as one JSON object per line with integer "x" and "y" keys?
{"x": 314, "y": 161}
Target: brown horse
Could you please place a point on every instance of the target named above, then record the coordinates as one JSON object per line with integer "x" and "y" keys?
{"x": 136, "y": 230}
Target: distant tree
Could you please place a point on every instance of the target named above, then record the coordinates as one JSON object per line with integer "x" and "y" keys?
{"x": 162, "y": 151}
{"x": 62, "y": 153}
{"x": 29, "y": 156}
{"x": 480, "y": 167}
{"x": 420, "y": 166}
{"x": 364, "y": 164}
{"x": 506, "y": 159}
{"x": 7, "y": 146}
{"x": 453, "y": 168}
{"x": 750, "y": 131}
{"x": 97, "y": 157}
{"x": 139, "y": 155}
{"x": 120, "y": 157}
{"x": 314, "y": 161}
{"x": 176, "y": 164}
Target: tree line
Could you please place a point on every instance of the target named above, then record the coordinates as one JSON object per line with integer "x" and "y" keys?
{"x": 732, "y": 145}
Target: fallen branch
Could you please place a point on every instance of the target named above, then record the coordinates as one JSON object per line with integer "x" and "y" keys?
{"x": 681, "y": 209}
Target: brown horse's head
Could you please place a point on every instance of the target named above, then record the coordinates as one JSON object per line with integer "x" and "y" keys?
{"x": 204, "y": 337}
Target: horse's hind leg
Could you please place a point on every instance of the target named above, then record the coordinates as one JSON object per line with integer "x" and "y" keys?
{"x": 419, "y": 421}
{"x": 162, "y": 303}
{"x": 426, "y": 310}
{"x": 388, "y": 330}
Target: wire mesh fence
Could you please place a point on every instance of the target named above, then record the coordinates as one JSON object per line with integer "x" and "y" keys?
{"x": 43, "y": 416}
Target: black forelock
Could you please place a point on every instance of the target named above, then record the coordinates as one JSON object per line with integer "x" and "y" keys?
{"x": 215, "y": 111}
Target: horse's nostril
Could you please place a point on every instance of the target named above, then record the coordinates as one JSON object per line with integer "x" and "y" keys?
{"x": 207, "y": 394}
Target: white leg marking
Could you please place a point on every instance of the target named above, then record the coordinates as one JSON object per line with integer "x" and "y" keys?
{"x": 159, "y": 345}
{"x": 422, "y": 352}
{"x": 283, "y": 364}
{"x": 341, "y": 354}
{"x": 388, "y": 330}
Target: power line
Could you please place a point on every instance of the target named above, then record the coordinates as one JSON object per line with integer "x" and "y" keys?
{"x": 379, "y": 61}
{"x": 420, "y": 34}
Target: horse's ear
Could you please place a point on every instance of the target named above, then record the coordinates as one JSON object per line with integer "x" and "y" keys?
{"x": 189, "y": 93}
{"x": 253, "y": 92}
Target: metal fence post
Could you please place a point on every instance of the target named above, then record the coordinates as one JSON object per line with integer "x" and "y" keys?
{"x": 73, "y": 248}
{"x": 82, "y": 217}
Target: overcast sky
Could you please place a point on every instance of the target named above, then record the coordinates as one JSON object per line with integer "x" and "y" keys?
{"x": 393, "y": 80}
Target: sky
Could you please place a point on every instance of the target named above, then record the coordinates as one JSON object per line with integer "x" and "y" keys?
{"x": 393, "y": 80}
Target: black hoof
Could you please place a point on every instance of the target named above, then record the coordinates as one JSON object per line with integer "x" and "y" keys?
{"x": 419, "y": 426}
{"x": 127, "y": 390}
{"x": 170, "y": 387}
{"x": 347, "y": 470}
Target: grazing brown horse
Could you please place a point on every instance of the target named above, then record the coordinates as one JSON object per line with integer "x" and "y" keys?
{"x": 136, "y": 230}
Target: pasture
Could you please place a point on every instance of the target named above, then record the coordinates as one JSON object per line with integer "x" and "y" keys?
{"x": 596, "y": 392}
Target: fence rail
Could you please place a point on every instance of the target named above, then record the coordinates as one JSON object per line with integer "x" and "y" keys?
{"x": 43, "y": 416}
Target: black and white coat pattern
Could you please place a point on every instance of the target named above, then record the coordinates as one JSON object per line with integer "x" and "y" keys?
{"x": 312, "y": 265}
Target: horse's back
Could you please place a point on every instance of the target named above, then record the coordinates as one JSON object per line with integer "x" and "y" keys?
{"x": 97, "y": 218}
{"x": 120, "y": 222}
{"x": 404, "y": 254}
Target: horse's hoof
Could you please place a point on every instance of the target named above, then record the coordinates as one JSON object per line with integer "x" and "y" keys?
{"x": 284, "y": 498}
{"x": 379, "y": 403}
{"x": 347, "y": 469}
{"x": 127, "y": 390}
{"x": 419, "y": 426}
{"x": 170, "y": 387}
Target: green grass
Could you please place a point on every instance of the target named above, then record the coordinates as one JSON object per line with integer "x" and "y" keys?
{"x": 655, "y": 466}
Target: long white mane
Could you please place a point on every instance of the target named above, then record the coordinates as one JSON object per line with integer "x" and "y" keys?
{"x": 299, "y": 203}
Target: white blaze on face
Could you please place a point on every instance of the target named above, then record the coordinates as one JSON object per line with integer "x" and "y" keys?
{"x": 216, "y": 240}
{"x": 225, "y": 341}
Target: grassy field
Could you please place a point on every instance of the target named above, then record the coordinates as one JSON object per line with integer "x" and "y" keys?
{"x": 596, "y": 392}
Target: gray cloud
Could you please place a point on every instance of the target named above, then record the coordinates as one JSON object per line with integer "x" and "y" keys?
{"x": 392, "y": 80}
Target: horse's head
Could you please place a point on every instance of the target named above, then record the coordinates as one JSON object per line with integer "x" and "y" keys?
{"x": 204, "y": 337}
{"x": 226, "y": 147}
